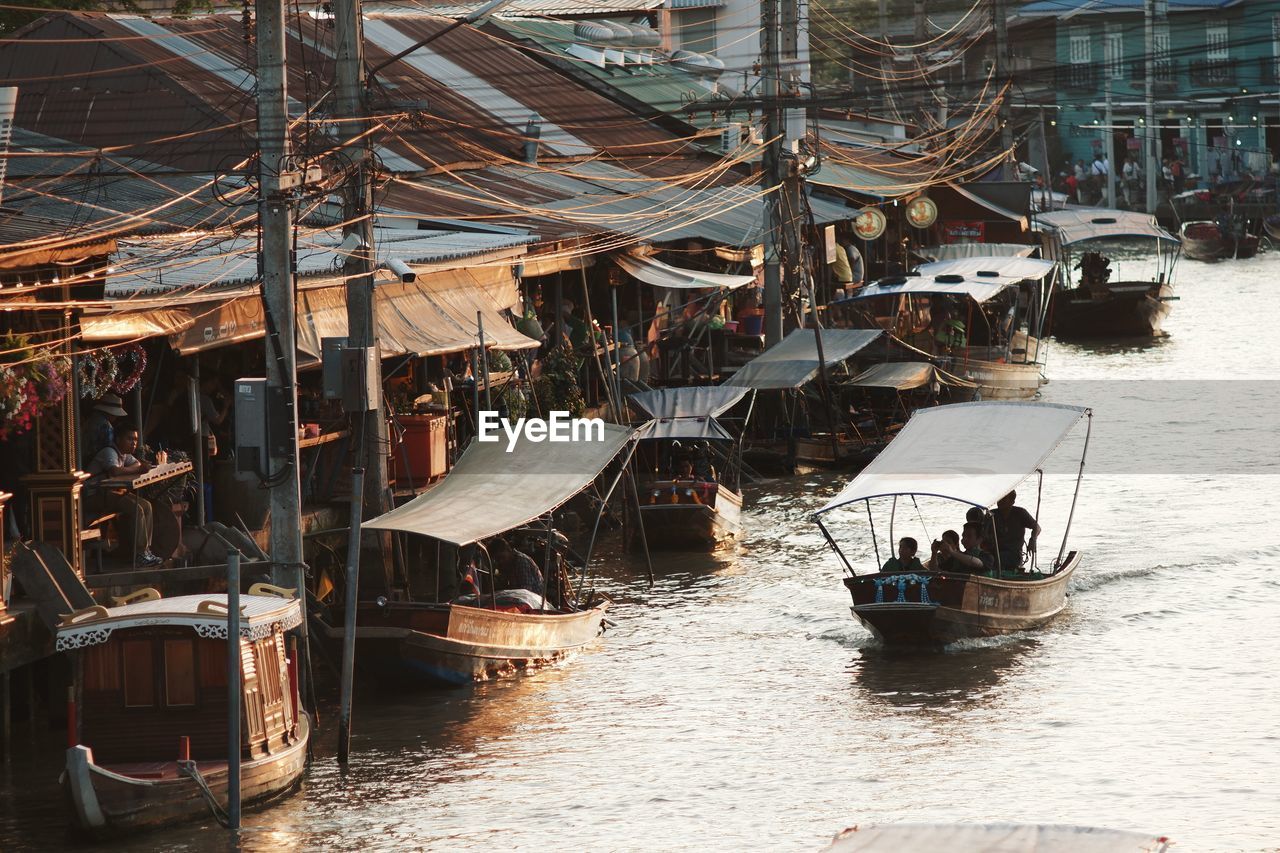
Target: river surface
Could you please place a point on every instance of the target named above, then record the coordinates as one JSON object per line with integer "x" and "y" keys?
{"x": 736, "y": 704}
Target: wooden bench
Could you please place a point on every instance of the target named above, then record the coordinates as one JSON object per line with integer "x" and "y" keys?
{"x": 94, "y": 537}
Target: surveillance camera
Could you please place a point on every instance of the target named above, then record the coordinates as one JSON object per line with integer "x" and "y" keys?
{"x": 402, "y": 269}
{"x": 351, "y": 243}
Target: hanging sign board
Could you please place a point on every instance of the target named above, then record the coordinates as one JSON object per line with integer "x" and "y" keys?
{"x": 922, "y": 212}
{"x": 869, "y": 223}
{"x": 829, "y": 241}
{"x": 963, "y": 231}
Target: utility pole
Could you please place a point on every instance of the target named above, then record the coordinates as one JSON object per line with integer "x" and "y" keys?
{"x": 1109, "y": 143}
{"x": 1000, "y": 24}
{"x": 771, "y": 174}
{"x": 275, "y": 219}
{"x": 1148, "y": 138}
{"x": 358, "y": 268}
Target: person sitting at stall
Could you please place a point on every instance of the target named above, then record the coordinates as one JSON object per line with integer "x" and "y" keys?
{"x": 99, "y": 426}
{"x": 118, "y": 460}
{"x": 906, "y": 561}
{"x": 514, "y": 569}
{"x": 1011, "y": 523}
{"x": 950, "y": 332}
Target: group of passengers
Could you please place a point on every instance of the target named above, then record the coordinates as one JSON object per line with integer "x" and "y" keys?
{"x": 988, "y": 544}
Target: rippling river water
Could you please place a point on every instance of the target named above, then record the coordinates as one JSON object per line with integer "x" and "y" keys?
{"x": 738, "y": 706}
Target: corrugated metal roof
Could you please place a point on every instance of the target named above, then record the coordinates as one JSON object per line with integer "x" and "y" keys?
{"x": 529, "y": 8}
{"x": 163, "y": 267}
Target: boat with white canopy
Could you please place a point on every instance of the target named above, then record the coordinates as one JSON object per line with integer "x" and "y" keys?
{"x": 973, "y": 454}
{"x": 688, "y": 501}
{"x": 984, "y": 316}
{"x": 1096, "y": 306}
{"x": 994, "y": 838}
{"x": 798, "y": 427}
{"x": 491, "y": 491}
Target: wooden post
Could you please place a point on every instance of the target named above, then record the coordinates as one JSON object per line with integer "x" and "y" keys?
{"x": 349, "y": 621}
{"x": 234, "y": 697}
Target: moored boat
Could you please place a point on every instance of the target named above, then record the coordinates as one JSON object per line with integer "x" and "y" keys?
{"x": 1096, "y": 307}
{"x": 1271, "y": 225}
{"x": 992, "y": 837}
{"x": 493, "y": 490}
{"x": 1203, "y": 240}
{"x": 150, "y": 728}
{"x": 974, "y": 454}
{"x": 688, "y": 502}
{"x": 982, "y": 315}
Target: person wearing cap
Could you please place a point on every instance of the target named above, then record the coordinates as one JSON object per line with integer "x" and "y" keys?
{"x": 99, "y": 427}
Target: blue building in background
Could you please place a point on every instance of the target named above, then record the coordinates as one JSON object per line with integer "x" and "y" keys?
{"x": 1215, "y": 82}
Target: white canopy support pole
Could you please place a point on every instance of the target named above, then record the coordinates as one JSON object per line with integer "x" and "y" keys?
{"x": 874, "y": 542}
{"x": 1080, "y": 476}
{"x": 893, "y": 513}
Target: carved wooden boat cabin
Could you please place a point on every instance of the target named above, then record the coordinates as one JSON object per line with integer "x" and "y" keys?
{"x": 489, "y": 492}
{"x": 148, "y": 729}
{"x": 702, "y": 509}
{"x": 974, "y": 454}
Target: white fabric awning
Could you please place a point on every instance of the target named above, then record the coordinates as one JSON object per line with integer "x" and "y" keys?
{"x": 989, "y": 268}
{"x": 980, "y": 290}
{"x": 491, "y": 491}
{"x": 688, "y": 412}
{"x": 794, "y": 360}
{"x": 1077, "y": 225}
{"x": 905, "y": 375}
{"x": 974, "y": 453}
{"x": 655, "y": 272}
{"x": 952, "y": 251}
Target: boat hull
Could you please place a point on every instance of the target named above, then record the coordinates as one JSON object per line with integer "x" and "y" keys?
{"x": 110, "y": 802}
{"x": 477, "y": 644}
{"x": 693, "y": 527}
{"x": 1001, "y": 381}
{"x": 1129, "y": 311}
{"x": 932, "y": 609}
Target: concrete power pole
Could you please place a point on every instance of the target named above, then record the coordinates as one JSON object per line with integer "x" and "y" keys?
{"x": 1149, "y": 138}
{"x": 275, "y": 219}
{"x": 771, "y": 173}
{"x": 1109, "y": 144}
{"x": 1000, "y": 24}
{"x": 357, "y": 210}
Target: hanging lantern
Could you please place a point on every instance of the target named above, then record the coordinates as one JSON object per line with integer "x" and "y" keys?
{"x": 869, "y": 223}
{"x": 922, "y": 212}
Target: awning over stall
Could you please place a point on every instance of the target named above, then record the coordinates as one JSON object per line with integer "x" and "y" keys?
{"x": 1077, "y": 225}
{"x": 655, "y": 272}
{"x": 688, "y": 412}
{"x": 905, "y": 375}
{"x": 952, "y": 251}
{"x": 970, "y": 452}
{"x": 794, "y": 360}
{"x": 134, "y": 325}
{"x": 491, "y": 491}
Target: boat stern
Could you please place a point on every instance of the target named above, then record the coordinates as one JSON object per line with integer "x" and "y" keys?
{"x": 84, "y": 797}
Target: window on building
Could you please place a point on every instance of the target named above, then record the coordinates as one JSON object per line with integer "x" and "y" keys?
{"x": 1113, "y": 52}
{"x": 1161, "y": 60}
{"x": 697, "y": 30}
{"x": 1217, "y": 53}
{"x": 1275, "y": 50}
{"x": 1080, "y": 46}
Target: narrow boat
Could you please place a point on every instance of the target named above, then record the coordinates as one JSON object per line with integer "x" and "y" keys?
{"x": 1096, "y": 307}
{"x": 495, "y": 490}
{"x": 149, "y": 728}
{"x": 982, "y": 316}
{"x": 1271, "y": 225}
{"x": 974, "y": 454}
{"x": 797, "y": 424}
{"x": 691, "y": 500}
{"x": 992, "y": 837}
{"x": 1203, "y": 240}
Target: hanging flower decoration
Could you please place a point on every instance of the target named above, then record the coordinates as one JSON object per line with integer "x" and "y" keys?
{"x": 97, "y": 374}
{"x": 131, "y": 361}
{"x": 30, "y": 380}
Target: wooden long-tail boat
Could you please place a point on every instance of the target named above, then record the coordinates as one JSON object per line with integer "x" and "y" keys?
{"x": 491, "y": 491}
{"x": 150, "y": 724}
{"x": 972, "y": 453}
{"x": 1096, "y": 307}
{"x": 702, "y": 509}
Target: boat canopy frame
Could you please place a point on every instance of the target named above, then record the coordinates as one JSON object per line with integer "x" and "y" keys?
{"x": 1042, "y": 426}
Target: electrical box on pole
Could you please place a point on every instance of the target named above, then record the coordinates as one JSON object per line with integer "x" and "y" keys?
{"x": 361, "y": 378}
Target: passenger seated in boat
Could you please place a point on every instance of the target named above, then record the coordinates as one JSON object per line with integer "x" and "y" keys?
{"x": 974, "y": 559}
{"x": 1011, "y": 523}
{"x": 514, "y": 569}
{"x": 938, "y": 562}
{"x": 906, "y": 561}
